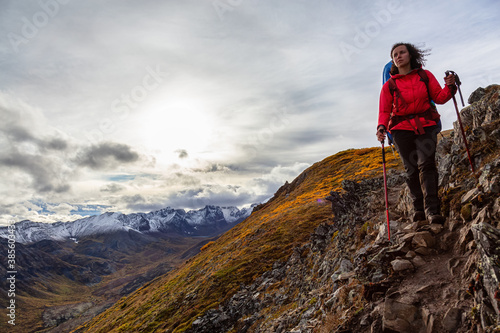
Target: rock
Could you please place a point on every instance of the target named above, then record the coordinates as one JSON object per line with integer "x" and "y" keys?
{"x": 345, "y": 266}
{"x": 496, "y": 207}
{"x": 346, "y": 276}
{"x": 366, "y": 320}
{"x": 453, "y": 263}
{"x": 435, "y": 228}
{"x": 423, "y": 239}
{"x": 399, "y": 265}
{"x": 444, "y": 168}
{"x": 479, "y": 134}
{"x": 465, "y": 236}
{"x": 453, "y": 225}
{"x": 494, "y": 185}
{"x": 425, "y": 288}
{"x": 378, "y": 276}
{"x": 451, "y": 320}
{"x": 482, "y": 216}
{"x": 410, "y": 255}
{"x": 476, "y": 95}
{"x": 495, "y": 135}
{"x": 487, "y": 315}
{"x": 428, "y": 320}
{"x": 399, "y": 250}
{"x": 398, "y": 316}
{"x": 483, "y": 178}
{"x": 407, "y": 238}
{"x": 344, "y": 272}
{"x": 487, "y": 238}
{"x": 418, "y": 261}
{"x": 469, "y": 196}
{"x": 383, "y": 234}
{"x": 471, "y": 246}
{"x": 423, "y": 251}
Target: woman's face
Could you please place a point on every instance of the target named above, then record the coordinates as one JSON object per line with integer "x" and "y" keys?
{"x": 401, "y": 56}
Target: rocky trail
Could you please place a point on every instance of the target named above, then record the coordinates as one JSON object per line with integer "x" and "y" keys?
{"x": 426, "y": 289}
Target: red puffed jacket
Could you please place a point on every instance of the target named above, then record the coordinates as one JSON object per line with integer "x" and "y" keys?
{"x": 415, "y": 99}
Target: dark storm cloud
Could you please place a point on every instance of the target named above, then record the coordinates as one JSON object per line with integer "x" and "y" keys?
{"x": 182, "y": 153}
{"x": 24, "y": 151}
{"x": 18, "y": 133}
{"x": 43, "y": 172}
{"x": 212, "y": 167}
{"x": 56, "y": 144}
{"x": 45, "y": 160}
{"x": 112, "y": 188}
{"x": 218, "y": 195}
{"x": 139, "y": 203}
{"x": 106, "y": 155}
{"x": 17, "y": 130}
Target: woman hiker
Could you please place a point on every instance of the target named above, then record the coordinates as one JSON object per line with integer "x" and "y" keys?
{"x": 406, "y": 111}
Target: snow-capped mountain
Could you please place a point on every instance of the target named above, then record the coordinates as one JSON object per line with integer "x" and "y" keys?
{"x": 203, "y": 222}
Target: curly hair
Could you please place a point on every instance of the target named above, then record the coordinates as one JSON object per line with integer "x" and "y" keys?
{"x": 417, "y": 56}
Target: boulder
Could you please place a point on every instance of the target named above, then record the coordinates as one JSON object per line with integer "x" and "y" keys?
{"x": 399, "y": 265}
{"x": 398, "y": 316}
{"x": 423, "y": 239}
{"x": 487, "y": 238}
{"x": 476, "y": 95}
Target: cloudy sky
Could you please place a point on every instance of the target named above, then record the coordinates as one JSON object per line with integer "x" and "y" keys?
{"x": 133, "y": 106}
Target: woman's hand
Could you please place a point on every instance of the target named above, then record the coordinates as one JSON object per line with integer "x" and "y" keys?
{"x": 450, "y": 80}
{"x": 381, "y": 133}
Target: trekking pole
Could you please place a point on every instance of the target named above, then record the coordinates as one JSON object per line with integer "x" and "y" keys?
{"x": 385, "y": 190}
{"x": 458, "y": 83}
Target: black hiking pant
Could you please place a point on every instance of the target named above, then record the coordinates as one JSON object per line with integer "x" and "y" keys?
{"x": 418, "y": 153}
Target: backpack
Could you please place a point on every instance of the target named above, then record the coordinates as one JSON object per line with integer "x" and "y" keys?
{"x": 386, "y": 74}
{"x": 430, "y": 114}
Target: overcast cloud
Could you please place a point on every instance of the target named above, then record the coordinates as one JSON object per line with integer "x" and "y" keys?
{"x": 134, "y": 106}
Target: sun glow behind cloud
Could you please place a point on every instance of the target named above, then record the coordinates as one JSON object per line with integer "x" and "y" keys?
{"x": 173, "y": 125}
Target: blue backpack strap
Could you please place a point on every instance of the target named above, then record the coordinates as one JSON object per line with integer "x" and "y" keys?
{"x": 386, "y": 75}
{"x": 387, "y": 72}
{"x": 389, "y": 138}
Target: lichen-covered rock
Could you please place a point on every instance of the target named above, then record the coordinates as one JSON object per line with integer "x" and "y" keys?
{"x": 487, "y": 238}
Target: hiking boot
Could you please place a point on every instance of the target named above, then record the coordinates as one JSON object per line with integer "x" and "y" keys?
{"x": 418, "y": 216}
{"x": 437, "y": 219}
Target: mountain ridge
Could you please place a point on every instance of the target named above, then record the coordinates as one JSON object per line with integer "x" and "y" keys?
{"x": 68, "y": 272}
{"x": 206, "y": 221}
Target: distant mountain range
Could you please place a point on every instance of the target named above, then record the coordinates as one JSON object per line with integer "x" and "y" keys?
{"x": 84, "y": 266}
{"x": 208, "y": 221}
